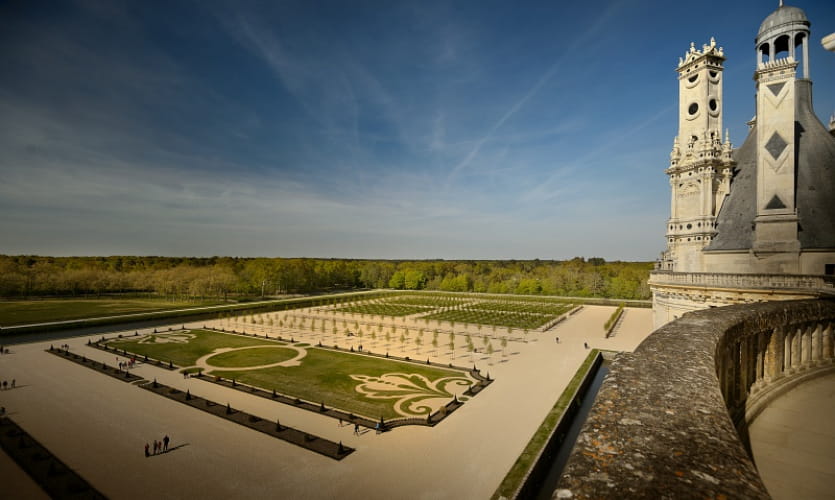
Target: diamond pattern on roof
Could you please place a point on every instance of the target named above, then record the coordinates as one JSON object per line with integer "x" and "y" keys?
{"x": 776, "y": 145}
{"x": 775, "y": 88}
{"x": 775, "y": 203}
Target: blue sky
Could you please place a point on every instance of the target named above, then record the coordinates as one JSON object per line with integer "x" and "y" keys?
{"x": 472, "y": 130}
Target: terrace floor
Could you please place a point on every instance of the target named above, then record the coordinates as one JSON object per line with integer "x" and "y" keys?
{"x": 99, "y": 426}
{"x": 793, "y": 442}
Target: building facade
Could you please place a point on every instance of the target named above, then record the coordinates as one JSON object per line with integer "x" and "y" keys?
{"x": 757, "y": 222}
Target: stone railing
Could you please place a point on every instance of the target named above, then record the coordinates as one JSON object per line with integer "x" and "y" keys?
{"x": 749, "y": 281}
{"x": 670, "y": 419}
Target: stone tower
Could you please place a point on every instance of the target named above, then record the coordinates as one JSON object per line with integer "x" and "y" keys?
{"x": 700, "y": 163}
{"x": 756, "y": 223}
{"x": 776, "y": 241}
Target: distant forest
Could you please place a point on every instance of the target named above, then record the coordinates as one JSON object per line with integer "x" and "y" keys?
{"x": 232, "y": 277}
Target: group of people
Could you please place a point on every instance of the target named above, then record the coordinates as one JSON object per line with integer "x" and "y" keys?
{"x": 6, "y": 384}
{"x": 124, "y": 365}
{"x": 4, "y": 350}
{"x": 159, "y": 446}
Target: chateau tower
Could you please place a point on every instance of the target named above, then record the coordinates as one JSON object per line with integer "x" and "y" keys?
{"x": 756, "y": 223}
{"x": 776, "y": 224}
{"x": 700, "y": 163}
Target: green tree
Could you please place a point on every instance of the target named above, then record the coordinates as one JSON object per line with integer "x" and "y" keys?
{"x": 398, "y": 280}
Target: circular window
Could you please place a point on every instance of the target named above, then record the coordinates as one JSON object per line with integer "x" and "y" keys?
{"x": 693, "y": 78}
{"x": 713, "y": 74}
{"x": 693, "y": 108}
{"x": 713, "y": 105}
{"x": 689, "y": 226}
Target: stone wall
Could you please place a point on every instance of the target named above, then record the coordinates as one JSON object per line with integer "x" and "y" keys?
{"x": 662, "y": 425}
{"x": 674, "y": 293}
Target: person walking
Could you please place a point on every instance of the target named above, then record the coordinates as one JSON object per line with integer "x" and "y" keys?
{"x": 356, "y": 429}
{"x": 13, "y": 383}
{"x": 165, "y": 441}
{"x": 147, "y": 452}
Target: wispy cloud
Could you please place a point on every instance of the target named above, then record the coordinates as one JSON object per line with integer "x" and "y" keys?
{"x": 555, "y": 67}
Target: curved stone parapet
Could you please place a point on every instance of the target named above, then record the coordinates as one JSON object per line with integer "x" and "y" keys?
{"x": 670, "y": 419}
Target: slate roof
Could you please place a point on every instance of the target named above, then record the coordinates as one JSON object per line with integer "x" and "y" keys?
{"x": 815, "y": 184}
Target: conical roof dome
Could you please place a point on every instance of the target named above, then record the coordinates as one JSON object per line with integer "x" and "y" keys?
{"x": 785, "y": 18}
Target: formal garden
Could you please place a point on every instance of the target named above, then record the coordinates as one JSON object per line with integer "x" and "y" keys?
{"x": 523, "y": 313}
{"x": 359, "y": 383}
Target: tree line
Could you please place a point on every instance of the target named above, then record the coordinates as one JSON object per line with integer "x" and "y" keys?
{"x": 236, "y": 277}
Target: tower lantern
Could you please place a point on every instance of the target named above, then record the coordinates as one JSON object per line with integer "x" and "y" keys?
{"x": 700, "y": 163}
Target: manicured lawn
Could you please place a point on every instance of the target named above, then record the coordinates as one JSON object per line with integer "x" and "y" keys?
{"x": 325, "y": 376}
{"x": 23, "y": 312}
{"x": 173, "y": 347}
{"x": 521, "y": 307}
{"x": 252, "y": 357}
{"x": 497, "y": 318}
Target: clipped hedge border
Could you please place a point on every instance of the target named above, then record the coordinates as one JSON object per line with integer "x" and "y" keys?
{"x": 613, "y": 320}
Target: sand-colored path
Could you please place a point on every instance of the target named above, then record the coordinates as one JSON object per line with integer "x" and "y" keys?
{"x": 99, "y": 426}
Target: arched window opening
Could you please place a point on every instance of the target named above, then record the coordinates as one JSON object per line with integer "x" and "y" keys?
{"x": 800, "y": 54}
{"x": 781, "y": 47}
{"x": 765, "y": 50}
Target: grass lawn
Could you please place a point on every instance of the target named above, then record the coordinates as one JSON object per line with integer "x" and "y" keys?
{"x": 325, "y": 376}
{"x": 23, "y": 312}
{"x": 253, "y": 357}
{"x": 172, "y": 347}
{"x": 497, "y": 318}
{"x": 521, "y": 307}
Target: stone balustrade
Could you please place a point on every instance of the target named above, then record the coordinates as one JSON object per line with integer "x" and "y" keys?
{"x": 670, "y": 419}
{"x": 748, "y": 281}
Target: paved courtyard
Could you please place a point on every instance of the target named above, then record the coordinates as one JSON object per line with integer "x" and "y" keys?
{"x": 99, "y": 426}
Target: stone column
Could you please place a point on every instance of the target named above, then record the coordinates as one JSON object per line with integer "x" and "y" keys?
{"x": 796, "y": 348}
{"x": 826, "y": 341}
{"x": 805, "y": 346}
{"x": 806, "y": 57}
{"x": 761, "y": 347}
{"x": 774, "y": 355}
{"x": 748, "y": 367}
{"x": 817, "y": 329}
